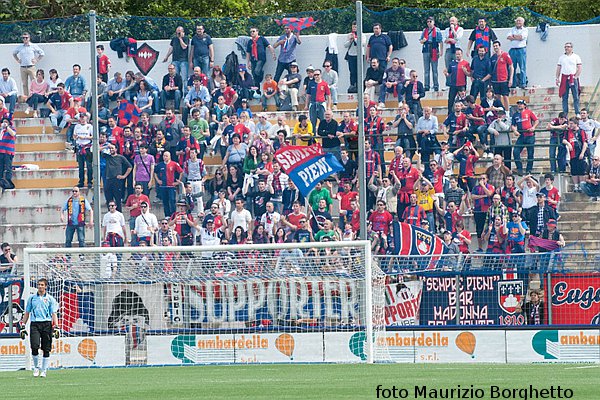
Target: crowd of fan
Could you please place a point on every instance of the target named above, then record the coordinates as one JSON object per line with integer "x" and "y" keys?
{"x": 250, "y": 199}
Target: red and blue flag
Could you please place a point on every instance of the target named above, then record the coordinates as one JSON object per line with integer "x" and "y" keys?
{"x": 410, "y": 240}
{"x": 307, "y": 165}
{"x": 129, "y": 113}
{"x": 297, "y": 24}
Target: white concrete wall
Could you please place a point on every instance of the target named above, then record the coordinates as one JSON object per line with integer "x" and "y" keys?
{"x": 541, "y": 57}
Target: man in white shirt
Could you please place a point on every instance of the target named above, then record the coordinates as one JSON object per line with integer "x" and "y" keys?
{"x": 591, "y": 128}
{"x": 145, "y": 224}
{"x": 113, "y": 227}
{"x": 451, "y": 35}
{"x": 82, "y": 135}
{"x": 271, "y": 220}
{"x": 280, "y": 126}
{"x": 241, "y": 217}
{"x": 8, "y": 90}
{"x": 568, "y": 72}
{"x": 518, "y": 51}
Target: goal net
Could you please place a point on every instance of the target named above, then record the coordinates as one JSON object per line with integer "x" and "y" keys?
{"x": 293, "y": 302}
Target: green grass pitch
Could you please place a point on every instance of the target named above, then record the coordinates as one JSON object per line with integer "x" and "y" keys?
{"x": 275, "y": 381}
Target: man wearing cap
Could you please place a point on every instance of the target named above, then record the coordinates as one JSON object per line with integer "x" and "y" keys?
{"x": 318, "y": 96}
{"x": 72, "y": 117}
{"x": 182, "y": 222}
{"x": 540, "y": 214}
{"x": 76, "y": 83}
{"x": 524, "y": 123}
{"x": 83, "y": 135}
{"x": 591, "y": 186}
{"x": 499, "y": 130}
{"x": 291, "y": 84}
{"x": 288, "y": 42}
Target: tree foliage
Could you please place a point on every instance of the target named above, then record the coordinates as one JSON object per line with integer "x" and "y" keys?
{"x": 66, "y": 20}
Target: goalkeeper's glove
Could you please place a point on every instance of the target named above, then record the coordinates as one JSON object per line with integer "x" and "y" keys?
{"x": 22, "y": 331}
{"x": 56, "y": 333}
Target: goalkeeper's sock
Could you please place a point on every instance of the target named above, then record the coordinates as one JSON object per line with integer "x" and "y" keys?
{"x": 36, "y": 362}
{"x": 45, "y": 361}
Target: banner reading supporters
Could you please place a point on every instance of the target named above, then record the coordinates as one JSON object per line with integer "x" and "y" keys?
{"x": 402, "y": 303}
{"x": 575, "y": 299}
{"x": 310, "y": 301}
{"x": 307, "y": 165}
{"x": 484, "y": 300}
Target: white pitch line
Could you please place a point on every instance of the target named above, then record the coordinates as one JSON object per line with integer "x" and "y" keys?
{"x": 584, "y": 367}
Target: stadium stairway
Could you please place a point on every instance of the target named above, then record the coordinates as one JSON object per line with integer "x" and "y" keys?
{"x": 30, "y": 214}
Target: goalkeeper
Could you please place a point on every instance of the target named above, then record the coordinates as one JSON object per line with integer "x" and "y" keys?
{"x": 42, "y": 308}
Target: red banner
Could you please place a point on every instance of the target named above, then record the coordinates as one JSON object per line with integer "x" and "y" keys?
{"x": 575, "y": 299}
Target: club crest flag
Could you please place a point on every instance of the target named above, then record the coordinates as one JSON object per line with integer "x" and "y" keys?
{"x": 411, "y": 240}
{"x": 128, "y": 113}
{"x": 307, "y": 165}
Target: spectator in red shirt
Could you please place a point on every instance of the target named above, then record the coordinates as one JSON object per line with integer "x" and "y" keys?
{"x": 457, "y": 73}
{"x": 456, "y": 126}
{"x": 414, "y": 214}
{"x": 345, "y": 197}
{"x": 167, "y": 177}
{"x": 381, "y": 218}
{"x": 524, "y": 123}
{"x": 502, "y": 73}
{"x": 552, "y": 193}
{"x": 407, "y": 177}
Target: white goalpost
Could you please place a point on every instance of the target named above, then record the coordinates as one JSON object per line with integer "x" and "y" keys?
{"x": 292, "y": 302}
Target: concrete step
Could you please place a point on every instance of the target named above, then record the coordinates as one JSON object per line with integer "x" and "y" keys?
{"x": 43, "y": 232}
{"x": 37, "y": 197}
{"x": 46, "y": 159}
{"x": 581, "y": 206}
{"x": 44, "y": 178}
{"x": 40, "y": 143}
{"x": 566, "y": 224}
{"x": 30, "y": 214}
{"x": 582, "y": 244}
